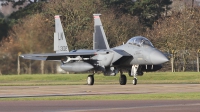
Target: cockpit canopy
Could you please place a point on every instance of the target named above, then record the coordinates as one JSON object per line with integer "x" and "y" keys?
{"x": 139, "y": 41}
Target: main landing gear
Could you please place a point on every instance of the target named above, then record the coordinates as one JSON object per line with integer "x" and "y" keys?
{"x": 90, "y": 79}
{"x": 122, "y": 78}
{"x": 133, "y": 73}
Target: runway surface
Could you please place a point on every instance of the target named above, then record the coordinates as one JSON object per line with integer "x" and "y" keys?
{"x": 98, "y": 106}
{"x": 69, "y": 90}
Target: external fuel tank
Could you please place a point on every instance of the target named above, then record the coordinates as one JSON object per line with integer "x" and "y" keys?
{"x": 77, "y": 66}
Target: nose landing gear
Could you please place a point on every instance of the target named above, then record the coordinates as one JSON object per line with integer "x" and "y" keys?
{"x": 134, "y": 71}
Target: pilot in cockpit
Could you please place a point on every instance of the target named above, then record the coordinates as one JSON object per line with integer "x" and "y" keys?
{"x": 140, "y": 41}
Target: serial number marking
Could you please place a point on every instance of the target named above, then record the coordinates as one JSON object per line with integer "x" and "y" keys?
{"x": 63, "y": 48}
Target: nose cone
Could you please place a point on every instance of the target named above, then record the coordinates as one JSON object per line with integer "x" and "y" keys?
{"x": 158, "y": 57}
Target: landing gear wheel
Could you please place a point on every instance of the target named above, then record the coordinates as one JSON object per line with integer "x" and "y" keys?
{"x": 122, "y": 80}
{"x": 90, "y": 80}
{"x": 134, "y": 81}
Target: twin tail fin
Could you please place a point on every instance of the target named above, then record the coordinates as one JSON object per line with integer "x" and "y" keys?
{"x": 99, "y": 37}
{"x": 60, "y": 44}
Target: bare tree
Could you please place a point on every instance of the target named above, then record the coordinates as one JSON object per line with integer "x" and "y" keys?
{"x": 178, "y": 35}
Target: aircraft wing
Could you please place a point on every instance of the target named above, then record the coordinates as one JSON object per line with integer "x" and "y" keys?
{"x": 57, "y": 56}
{"x": 33, "y": 57}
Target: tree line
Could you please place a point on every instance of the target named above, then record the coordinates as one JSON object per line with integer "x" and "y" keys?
{"x": 30, "y": 29}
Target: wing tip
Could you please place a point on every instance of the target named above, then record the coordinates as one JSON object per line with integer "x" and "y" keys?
{"x": 22, "y": 56}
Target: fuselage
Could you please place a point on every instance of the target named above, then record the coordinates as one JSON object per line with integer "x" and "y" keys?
{"x": 143, "y": 52}
{"x": 137, "y": 51}
{"x": 143, "y": 55}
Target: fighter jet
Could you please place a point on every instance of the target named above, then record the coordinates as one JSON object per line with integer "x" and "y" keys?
{"x": 136, "y": 56}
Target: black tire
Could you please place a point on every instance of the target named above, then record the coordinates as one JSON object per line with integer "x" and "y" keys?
{"x": 90, "y": 80}
{"x": 122, "y": 80}
{"x": 135, "y": 81}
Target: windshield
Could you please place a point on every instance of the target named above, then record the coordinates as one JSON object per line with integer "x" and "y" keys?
{"x": 139, "y": 41}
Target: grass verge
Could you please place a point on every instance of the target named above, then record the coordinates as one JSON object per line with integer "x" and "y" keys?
{"x": 80, "y": 79}
{"x": 162, "y": 96}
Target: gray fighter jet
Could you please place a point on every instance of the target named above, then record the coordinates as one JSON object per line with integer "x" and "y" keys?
{"x": 136, "y": 56}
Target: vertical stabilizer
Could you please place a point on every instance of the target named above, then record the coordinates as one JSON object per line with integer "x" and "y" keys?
{"x": 99, "y": 37}
{"x": 60, "y": 44}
